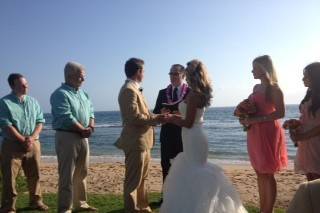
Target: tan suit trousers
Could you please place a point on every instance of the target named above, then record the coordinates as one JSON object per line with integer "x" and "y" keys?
{"x": 13, "y": 158}
{"x": 136, "y": 173}
{"x": 73, "y": 160}
{"x": 306, "y": 199}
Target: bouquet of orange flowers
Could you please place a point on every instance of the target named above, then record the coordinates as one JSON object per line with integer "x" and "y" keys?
{"x": 292, "y": 125}
{"x": 244, "y": 109}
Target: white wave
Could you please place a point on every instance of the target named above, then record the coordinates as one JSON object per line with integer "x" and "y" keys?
{"x": 49, "y": 127}
{"x": 93, "y": 159}
{"x": 120, "y": 158}
{"x": 108, "y": 125}
{"x": 228, "y": 162}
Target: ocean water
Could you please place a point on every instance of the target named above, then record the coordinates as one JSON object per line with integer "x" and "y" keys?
{"x": 227, "y": 140}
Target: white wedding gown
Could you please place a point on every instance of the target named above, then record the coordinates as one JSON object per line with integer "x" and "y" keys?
{"x": 193, "y": 185}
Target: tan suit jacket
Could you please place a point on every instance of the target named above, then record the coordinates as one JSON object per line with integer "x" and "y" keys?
{"x": 137, "y": 133}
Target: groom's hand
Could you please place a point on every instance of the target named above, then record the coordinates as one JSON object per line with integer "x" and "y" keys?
{"x": 174, "y": 118}
{"x": 162, "y": 118}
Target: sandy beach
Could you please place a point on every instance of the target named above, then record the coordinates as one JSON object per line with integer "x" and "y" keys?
{"x": 107, "y": 177}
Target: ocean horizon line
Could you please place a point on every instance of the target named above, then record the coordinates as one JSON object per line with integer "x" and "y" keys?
{"x": 226, "y": 138}
{"x": 152, "y": 109}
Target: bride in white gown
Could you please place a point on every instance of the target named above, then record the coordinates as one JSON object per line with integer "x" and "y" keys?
{"x": 193, "y": 185}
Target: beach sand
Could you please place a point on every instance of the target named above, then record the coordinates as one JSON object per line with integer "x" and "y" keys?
{"x": 107, "y": 177}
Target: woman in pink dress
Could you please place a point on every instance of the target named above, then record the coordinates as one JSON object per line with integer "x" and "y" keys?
{"x": 265, "y": 137}
{"x": 307, "y": 135}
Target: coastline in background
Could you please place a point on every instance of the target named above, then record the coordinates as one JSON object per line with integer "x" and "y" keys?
{"x": 227, "y": 140}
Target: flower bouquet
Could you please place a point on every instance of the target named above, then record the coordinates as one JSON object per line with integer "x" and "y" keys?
{"x": 244, "y": 109}
{"x": 292, "y": 125}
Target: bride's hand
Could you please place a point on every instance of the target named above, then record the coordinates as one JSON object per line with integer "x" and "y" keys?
{"x": 176, "y": 112}
{"x": 173, "y": 118}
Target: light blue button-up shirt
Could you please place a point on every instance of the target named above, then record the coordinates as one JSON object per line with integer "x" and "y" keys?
{"x": 69, "y": 106}
{"x": 24, "y": 116}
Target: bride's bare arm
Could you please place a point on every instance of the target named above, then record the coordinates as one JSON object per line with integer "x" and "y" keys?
{"x": 193, "y": 101}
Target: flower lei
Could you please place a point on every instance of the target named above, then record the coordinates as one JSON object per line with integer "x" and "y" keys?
{"x": 184, "y": 90}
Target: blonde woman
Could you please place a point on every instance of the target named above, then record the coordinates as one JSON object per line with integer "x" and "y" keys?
{"x": 193, "y": 185}
{"x": 266, "y": 140}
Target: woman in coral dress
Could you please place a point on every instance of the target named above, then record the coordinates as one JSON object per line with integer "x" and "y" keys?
{"x": 265, "y": 137}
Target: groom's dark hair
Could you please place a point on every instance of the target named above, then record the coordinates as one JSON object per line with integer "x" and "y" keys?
{"x": 132, "y": 66}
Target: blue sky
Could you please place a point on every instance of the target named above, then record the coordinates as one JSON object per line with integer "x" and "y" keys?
{"x": 38, "y": 37}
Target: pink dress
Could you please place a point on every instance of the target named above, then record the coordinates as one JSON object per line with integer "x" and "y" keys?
{"x": 308, "y": 153}
{"x": 266, "y": 140}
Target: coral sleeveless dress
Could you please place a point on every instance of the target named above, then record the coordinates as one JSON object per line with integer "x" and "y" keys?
{"x": 266, "y": 140}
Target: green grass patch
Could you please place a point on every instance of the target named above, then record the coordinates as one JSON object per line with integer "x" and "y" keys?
{"x": 107, "y": 203}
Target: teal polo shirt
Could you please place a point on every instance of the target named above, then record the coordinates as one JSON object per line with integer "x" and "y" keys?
{"x": 24, "y": 116}
{"x": 69, "y": 106}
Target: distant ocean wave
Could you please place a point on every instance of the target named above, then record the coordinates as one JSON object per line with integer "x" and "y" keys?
{"x": 226, "y": 138}
{"x": 120, "y": 158}
{"x": 47, "y": 127}
{"x": 112, "y": 125}
{"x": 93, "y": 159}
{"x": 109, "y": 125}
{"x": 222, "y": 126}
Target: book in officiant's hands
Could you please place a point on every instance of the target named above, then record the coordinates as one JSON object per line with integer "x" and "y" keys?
{"x": 172, "y": 107}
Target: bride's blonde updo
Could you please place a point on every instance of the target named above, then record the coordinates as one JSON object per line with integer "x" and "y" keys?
{"x": 198, "y": 80}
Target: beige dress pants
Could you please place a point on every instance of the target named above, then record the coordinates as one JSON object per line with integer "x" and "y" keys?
{"x": 306, "y": 199}
{"x": 13, "y": 158}
{"x": 73, "y": 159}
{"x": 136, "y": 173}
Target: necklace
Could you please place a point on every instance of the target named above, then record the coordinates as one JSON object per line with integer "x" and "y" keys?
{"x": 184, "y": 90}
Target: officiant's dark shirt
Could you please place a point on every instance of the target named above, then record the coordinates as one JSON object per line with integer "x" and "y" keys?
{"x": 168, "y": 130}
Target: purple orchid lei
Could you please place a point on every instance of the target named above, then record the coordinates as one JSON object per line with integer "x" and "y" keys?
{"x": 184, "y": 90}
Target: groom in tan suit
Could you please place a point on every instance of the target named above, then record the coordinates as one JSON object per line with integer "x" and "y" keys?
{"x": 137, "y": 137}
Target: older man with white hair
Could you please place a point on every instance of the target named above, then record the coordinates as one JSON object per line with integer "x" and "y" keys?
{"x": 73, "y": 120}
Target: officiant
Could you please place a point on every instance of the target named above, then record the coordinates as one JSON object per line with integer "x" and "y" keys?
{"x": 168, "y": 101}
